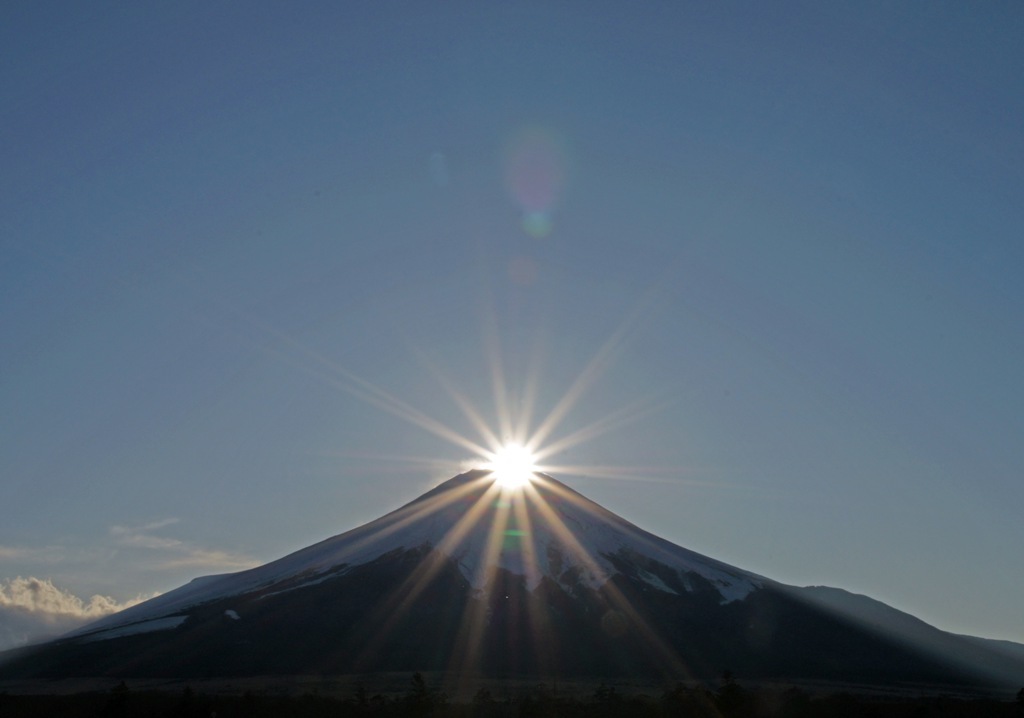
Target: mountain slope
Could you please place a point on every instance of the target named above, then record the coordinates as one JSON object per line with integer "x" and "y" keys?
{"x": 591, "y": 534}
{"x": 540, "y": 582}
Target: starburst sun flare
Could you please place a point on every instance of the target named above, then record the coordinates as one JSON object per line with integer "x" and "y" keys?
{"x": 512, "y": 466}
{"x": 505, "y": 505}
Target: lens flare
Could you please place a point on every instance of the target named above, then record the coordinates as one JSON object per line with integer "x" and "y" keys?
{"x": 512, "y": 466}
{"x": 535, "y": 170}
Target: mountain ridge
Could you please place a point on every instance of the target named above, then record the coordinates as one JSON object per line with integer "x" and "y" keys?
{"x": 539, "y": 581}
{"x": 414, "y": 529}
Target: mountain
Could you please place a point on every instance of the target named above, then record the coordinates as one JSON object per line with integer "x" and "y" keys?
{"x": 538, "y": 582}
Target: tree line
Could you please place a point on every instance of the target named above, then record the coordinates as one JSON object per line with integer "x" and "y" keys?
{"x": 421, "y": 700}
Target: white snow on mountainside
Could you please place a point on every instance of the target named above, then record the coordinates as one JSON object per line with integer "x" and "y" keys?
{"x": 545, "y": 530}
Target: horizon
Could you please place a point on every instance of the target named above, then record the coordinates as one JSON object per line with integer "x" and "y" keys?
{"x": 747, "y": 277}
{"x": 528, "y": 572}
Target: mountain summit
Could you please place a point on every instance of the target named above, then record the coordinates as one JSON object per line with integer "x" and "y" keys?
{"x": 537, "y": 581}
{"x": 546, "y": 531}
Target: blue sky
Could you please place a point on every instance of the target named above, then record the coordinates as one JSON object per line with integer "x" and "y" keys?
{"x": 782, "y": 240}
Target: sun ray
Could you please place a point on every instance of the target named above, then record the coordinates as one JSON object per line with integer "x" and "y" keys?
{"x": 528, "y": 546}
{"x": 622, "y": 416}
{"x": 513, "y": 426}
{"x": 393, "y": 608}
{"x": 472, "y": 627}
{"x": 437, "y": 466}
{"x": 465, "y": 662}
{"x": 499, "y": 388}
{"x": 338, "y": 376}
{"x": 674, "y": 665}
{"x": 558, "y": 527}
{"x": 531, "y": 389}
{"x": 603, "y": 358}
{"x": 498, "y": 537}
{"x": 648, "y": 474}
{"x": 465, "y": 405}
{"x": 399, "y": 408}
{"x": 651, "y": 543}
{"x": 493, "y": 546}
{"x": 410, "y": 514}
{"x": 508, "y": 518}
{"x": 597, "y": 365}
{"x": 489, "y": 499}
{"x": 544, "y": 651}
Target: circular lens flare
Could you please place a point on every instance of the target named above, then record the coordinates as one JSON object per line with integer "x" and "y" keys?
{"x": 512, "y": 466}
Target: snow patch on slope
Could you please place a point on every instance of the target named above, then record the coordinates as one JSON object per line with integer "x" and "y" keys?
{"x": 158, "y": 624}
{"x": 649, "y": 578}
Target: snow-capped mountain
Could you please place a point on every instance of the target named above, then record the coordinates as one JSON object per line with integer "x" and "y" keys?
{"x": 536, "y": 581}
{"x": 551, "y": 531}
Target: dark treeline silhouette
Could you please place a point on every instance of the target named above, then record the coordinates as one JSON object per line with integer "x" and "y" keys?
{"x": 729, "y": 700}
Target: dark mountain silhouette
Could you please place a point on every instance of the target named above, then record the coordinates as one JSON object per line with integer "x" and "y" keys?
{"x": 541, "y": 583}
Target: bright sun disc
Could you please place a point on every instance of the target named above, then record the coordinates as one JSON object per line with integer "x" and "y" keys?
{"x": 512, "y": 466}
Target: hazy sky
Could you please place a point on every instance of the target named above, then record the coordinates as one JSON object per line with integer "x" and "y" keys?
{"x": 779, "y": 244}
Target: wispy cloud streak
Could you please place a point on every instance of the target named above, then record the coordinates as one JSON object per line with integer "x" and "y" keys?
{"x": 178, "y": 553}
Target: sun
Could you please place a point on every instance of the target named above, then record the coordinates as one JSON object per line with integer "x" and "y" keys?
{"x": 512, "y": 466}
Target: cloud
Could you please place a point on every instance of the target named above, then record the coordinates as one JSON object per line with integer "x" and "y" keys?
{"x": 142, "y": 536}
{"x": 179, "y": 553}
{"x": 34, "y": 609}
{"x": 23, "y": 553}
{"x": 140, "y": 540}
{"x": 201, "y": 557}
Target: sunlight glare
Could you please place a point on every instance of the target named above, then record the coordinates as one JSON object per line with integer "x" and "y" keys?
{"x": 512, "y": 466}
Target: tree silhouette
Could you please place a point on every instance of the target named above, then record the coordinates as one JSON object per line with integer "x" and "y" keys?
{"x": 359, "y": 696}
{"x": 732, "y": 699}
{"x": 117, "y": 703}
{"x": 420, "y": 699}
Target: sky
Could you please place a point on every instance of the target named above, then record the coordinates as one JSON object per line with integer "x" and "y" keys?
{"x": 754, "y": 268}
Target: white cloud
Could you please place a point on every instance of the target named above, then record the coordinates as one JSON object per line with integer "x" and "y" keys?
{"x": 33, "y": 609}
{"x": 207, "y": 558}
{"x": 140, "y": 540}
{"x": 179, "y": 553}
{"x": 50, "y": 554}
